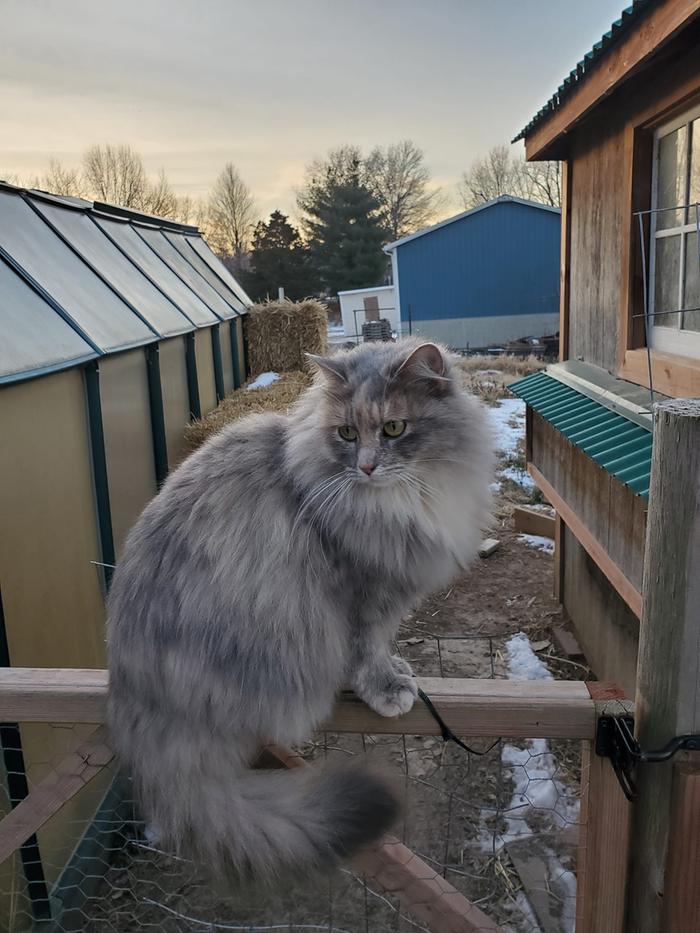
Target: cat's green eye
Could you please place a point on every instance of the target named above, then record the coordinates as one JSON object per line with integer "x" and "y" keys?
{"x": 347, "y": 432}
{"x": 394, "y": 428}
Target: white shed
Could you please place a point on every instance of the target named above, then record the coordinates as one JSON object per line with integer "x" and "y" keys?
{"x": 367, "y": 304}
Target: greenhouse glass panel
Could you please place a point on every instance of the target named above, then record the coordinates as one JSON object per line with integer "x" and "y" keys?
{"x": 184, "y": 298}
{"x": 182, "y": 246}
{"x": 127, "y": 279}
{"x": 216, "y": 265}
{"x": 179, "y": 265}
{"x": 94, "y": 307}
{"x": 35, "y": 338}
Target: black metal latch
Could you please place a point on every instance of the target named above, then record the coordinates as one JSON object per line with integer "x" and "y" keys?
{"x": 615, "y": 740}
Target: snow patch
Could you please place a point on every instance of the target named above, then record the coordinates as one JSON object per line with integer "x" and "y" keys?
{"x": 538, "y": 542}
{"x": 263, "y": 380}
{"x": 508, "y": 424}
{"x": 522, "y": 662}
{"x": 538, "y": 795}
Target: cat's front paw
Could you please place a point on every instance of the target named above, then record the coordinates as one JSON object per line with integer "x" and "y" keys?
{"x": 396, "y": 698}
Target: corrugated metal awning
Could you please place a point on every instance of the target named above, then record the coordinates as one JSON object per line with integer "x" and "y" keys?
{"x": 618, "y": 444}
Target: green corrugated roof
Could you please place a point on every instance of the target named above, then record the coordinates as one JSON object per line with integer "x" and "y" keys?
{"x": 628, "y": 18}
{"x": 620, "y": 446}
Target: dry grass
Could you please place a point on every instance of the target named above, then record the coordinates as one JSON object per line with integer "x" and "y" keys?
{"x": 280, "y": 333}
{"x": 487, "y": 376}
{"x": 278, "y": 396}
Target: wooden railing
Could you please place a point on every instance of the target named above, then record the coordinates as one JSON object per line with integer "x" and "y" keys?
{"x": 472, "y": 708}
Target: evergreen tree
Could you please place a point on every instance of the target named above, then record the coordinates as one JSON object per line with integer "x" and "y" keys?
{"x": 279, "y": 258}
{"x": 342, "y": 223}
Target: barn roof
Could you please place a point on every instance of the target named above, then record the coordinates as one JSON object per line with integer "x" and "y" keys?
{"x": 81, "y": 279}
{"x": 503, "y": 199}
{"x": 626, "y": 21}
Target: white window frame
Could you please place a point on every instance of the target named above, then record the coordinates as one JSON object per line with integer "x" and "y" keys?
{"x": 671, "y": 340}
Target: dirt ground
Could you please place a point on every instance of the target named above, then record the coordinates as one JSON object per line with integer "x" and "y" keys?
{"x": 486, "y": 821}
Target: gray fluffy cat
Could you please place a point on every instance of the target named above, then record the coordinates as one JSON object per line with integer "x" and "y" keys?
{"x": 271, "y": 570}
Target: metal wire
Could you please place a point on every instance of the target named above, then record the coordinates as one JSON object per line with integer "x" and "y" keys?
{"x": 475, "y": 820}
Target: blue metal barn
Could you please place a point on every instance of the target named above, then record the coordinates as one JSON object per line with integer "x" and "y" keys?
{"x": 484, "y": 277}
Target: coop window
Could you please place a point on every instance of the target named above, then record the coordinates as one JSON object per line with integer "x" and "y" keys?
{"x": 674, "y": 293}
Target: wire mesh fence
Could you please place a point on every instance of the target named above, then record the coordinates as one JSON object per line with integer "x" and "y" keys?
{"x": 498, "y": 823}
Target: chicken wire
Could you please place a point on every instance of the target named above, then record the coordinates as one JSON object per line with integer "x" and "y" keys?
{"x": 501, "y": 827}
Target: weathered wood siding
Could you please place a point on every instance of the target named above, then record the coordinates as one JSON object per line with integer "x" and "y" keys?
{"x": 607, "y": 629}
{"x": 609, "y": 169}
{"x": 596, "y": 168}
{"x": 613, "y": 514}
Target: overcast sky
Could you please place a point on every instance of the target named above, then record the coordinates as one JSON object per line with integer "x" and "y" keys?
{"x": 271, "y": 84}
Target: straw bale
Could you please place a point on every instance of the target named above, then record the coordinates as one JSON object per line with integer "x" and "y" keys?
{"x": 280, "y": 333}
{"x": 278, "y": 396}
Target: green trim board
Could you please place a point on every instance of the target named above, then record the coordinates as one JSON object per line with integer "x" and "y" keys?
{"x": 614, "y": 442}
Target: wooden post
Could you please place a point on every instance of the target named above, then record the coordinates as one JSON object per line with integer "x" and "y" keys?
{"x": 682, "y": 894}
{"x": 668, "y": 673}
{"x": 603, "y": 849}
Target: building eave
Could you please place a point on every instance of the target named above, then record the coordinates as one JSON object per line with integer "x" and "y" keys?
{"x": 503, "y": 199}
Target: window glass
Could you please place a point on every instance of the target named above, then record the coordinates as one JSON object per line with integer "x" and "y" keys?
{"x": 95, "y": 308}
{"x": 89, "y": 240}
{"x": 666, "y": 276}
{"x": 671, "y": 177}
{"x": 139, "y": 252}
{"x": 694, "y": 194}
{"x": 34, "y": 336}
{"x": 691, "y": 319}
{"x": 181, "y": 267}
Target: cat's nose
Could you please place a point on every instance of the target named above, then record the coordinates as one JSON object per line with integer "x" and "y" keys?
{"x": 367, "y": 468}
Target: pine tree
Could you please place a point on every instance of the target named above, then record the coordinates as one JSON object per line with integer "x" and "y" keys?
{"x": 279, "y": 258}
{"x": 342, "y": 223}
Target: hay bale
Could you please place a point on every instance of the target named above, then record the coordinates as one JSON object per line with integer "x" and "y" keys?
{"x": 280, "y": 333}
{"x": 278, "y": 396}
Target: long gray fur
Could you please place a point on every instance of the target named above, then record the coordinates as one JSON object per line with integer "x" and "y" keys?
{"x": 269, "y": 572}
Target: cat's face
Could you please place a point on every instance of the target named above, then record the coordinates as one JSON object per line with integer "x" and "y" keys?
{"x": 391, "y": 413}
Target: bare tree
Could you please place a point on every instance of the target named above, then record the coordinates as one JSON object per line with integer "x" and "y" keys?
{"x": 545, "y": 182}
{"x": 500, "y": 172}
{"x": 231, "y": 214}
{"x": 61, "y": 180}
{"x": 490, "y": 176}
{"x": 116, "y": 175}
{"x": 159, "y": 198}
{"x": 400, "y": 180}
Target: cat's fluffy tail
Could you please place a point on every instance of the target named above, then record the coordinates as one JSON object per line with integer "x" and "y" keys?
{"x": 263, "y": 823}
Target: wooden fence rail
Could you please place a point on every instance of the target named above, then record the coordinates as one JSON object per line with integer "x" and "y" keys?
{"x": 472, "y": 708}
{"x": 545, "y": 709}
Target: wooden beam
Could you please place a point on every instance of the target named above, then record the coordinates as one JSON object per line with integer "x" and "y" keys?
{"x": 508, "y": 708}
{"x": 402, "y": 874}
{"x": 668, "y": 669}
{"x": 682, "y": 883}
{"x": 565, "y": 258}
{"x": 57, "y": 788}
{"x": 534, "y": 522}
{"x": 663, "y": 21}
{"x": 677, "y": 376}
{"x": 589, "y": 543}
{"x": 636, "y": 196}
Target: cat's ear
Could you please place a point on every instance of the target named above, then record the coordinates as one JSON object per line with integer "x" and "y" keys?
{"x": 332, "y": 367}
{"x": 426, "y": 362}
